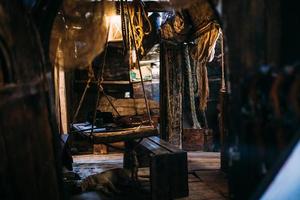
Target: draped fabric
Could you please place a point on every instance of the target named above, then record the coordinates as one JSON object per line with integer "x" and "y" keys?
{"x": 202, "y": 53}
{"x": 206, "y": 31}
{"x": 176, "y": 28}
{"x": 196, "y": 26}
{"x": 203, "y": 27}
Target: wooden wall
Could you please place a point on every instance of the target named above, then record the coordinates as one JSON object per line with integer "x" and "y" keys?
{"x": 258, "y": 33}
{"x": 29, "y": 167}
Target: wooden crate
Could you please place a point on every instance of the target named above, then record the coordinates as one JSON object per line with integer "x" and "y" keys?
{"x": 197, "y": 139}
{"x": 168, "y": 168}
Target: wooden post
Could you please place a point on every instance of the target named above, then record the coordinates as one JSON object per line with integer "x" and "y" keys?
{"x": 171, "y": 91}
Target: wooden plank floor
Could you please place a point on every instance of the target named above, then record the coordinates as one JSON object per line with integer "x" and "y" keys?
{"x": 206, "y": 181}
{"x": 86, "y": 165}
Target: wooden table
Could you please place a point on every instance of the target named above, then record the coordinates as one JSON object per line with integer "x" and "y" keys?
{"x": 101, "y": 136}
{"x": 124, "y": 135}
{"x": 127, "y": 135}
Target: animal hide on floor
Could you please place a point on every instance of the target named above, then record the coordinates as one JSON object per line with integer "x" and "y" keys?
{"x": 106, "y": 181}
{"x": 115, "y": 184}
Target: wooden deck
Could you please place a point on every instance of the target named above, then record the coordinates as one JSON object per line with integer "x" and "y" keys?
{"x": 206, "y": 182}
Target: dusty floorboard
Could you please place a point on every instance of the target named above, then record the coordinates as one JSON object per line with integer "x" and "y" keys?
{"x": 206, "y": 182}
{"x": 86, "y": 165}
{"x": 203, "y": 161}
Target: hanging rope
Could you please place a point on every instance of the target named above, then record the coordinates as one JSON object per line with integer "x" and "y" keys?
{"x": 99, "y": 82}
{"x": 132, "y": 36}
{"x": 137, "y": 15}
{"x": 101, "y": 79}
{"x": 81, "y": 101}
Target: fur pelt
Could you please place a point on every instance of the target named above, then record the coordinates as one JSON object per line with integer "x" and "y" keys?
{"x": 108, "y": 182}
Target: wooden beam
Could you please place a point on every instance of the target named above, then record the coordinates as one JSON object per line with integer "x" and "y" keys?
{"x": 152, "y": 6}
{"x": 124, "y": 135}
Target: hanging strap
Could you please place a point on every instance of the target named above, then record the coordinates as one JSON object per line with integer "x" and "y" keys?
{"x": 99, "y": 82}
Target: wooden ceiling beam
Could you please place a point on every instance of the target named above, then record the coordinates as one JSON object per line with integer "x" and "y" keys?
{"x": 152, "y": 6}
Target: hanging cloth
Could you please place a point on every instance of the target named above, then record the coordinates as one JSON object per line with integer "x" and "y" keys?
{"x": 203, "y": 53}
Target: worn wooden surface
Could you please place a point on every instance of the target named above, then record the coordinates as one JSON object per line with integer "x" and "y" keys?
{"x": 206, "y": 182}
{"x": 28, "y": 166}
{"x": 171, "y": 92}
{"x": 165, "y": 161}
{"x": 205, "y": 189}
{"x": 259, "y": 34}
{"x": 193, "y": 139}
{"x": 127, "y": 107}
{"x": 203, "y": 161}
{"x": 168, "y": 169}
{"x": 126, "y": 135}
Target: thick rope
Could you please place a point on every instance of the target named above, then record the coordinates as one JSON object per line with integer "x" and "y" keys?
{"x": 137, "y": 18}
{"x": 139, "y": 67}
